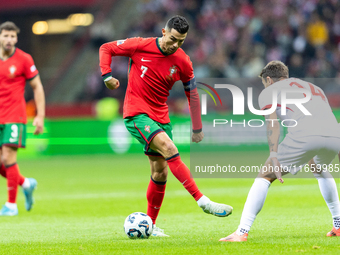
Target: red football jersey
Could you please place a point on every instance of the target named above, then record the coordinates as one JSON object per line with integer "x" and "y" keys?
{"x": 151, "y": 76}
{"x": 14, "y": 72}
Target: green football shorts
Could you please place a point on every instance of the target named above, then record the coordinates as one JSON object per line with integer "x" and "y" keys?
{"x": 144, "y": 130}
{"x": 13, "y": 135}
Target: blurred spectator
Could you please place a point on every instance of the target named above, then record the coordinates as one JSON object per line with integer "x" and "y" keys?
{"x": 317, "y": 31}
{"x": 296, "y": 67}
{"x": 101, "y": 31}
{"x": 94, "y": 87}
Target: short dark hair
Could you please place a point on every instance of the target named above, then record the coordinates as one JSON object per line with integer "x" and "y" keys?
{"x": 179, "y": 23}
{"x": 9, "y": 26}
{"x": 275, "y": 70}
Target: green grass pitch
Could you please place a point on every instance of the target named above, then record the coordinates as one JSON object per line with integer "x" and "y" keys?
{"x": 82, "y": 202}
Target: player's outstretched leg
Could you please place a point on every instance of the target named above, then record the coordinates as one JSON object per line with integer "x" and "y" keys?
{"x": 182, "y": 173}
{"x": 255, "y": 200}
{"x": 164, "y": 145}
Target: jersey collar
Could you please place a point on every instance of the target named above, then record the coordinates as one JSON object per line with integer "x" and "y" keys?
{"x": 15, "y": 48}
{"x": 160, "y": 49}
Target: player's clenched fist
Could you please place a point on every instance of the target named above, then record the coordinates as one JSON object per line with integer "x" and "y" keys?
{"x": 197, "y": 137}
{"x": 112, "y": 83}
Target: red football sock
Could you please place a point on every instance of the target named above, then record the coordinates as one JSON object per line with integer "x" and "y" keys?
{"x": 3, "y": 170}
{"x": 155, "y": 195}
{"x": 12, "y": 173}
{"x": 182, "y": 173}
{"x": 3, "y": 173}
{"x": 21, "y": 178}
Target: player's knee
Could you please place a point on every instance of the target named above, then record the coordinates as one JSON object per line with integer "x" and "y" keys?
{"x": 7, "y": 161}
{"x": 169, "y": 148}
{"x": 160, "y": 176}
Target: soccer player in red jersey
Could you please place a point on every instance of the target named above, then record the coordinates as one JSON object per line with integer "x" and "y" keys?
{"x": 155, "y": 65}
{"x": 16, "y": 67}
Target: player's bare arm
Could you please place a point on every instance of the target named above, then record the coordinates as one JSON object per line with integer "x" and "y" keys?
{"x": 273, "y": 135}
{"x": 112, "y": 83}
{"x": 39, "y": 98}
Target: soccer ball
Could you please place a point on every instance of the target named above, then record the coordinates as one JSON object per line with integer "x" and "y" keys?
{"x": 138, "y": 225}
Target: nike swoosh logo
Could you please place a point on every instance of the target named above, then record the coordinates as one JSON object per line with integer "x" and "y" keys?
{"x": 145, "y": 60}
{"x": 224, "y": 213}
{"x": 12, "y": 140}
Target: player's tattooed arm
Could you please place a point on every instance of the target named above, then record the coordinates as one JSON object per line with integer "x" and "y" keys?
{"x": 273, "y": 131}
{"x": 273, "y": 135}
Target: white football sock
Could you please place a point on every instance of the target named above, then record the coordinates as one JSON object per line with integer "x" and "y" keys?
{"x": 26, "y": 184}
{"x": 11, "y": 206}
{"x": 255, "y": 200}
{"x": 336, "y": 223}
{"x": 203, "y": 201}
{"x": 329, "y": 192}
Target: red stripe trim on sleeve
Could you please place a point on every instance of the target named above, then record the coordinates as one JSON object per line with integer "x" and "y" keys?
{"x": 268, "y": 106}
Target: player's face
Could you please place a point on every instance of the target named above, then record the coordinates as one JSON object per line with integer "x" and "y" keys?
{"x": 172, "y": 40}
{"x": 8, "y": 39}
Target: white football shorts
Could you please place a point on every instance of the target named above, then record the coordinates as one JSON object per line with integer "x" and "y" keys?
{"x": 293, "y": 154}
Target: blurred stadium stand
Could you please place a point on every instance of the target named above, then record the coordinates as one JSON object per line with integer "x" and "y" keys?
{"x": 227, "y": 39}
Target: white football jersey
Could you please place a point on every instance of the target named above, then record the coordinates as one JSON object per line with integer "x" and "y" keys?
{"x": 321, "y": 122}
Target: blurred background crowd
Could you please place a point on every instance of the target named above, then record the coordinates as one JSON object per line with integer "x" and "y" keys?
{"x": 237, "y": 38}
{"x": 227, "y": 39}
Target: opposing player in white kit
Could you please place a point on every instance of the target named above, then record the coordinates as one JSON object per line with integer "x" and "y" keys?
{"x": 314, "y": 136}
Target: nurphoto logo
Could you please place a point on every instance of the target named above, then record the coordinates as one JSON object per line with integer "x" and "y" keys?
{"x": 239, "y": 99}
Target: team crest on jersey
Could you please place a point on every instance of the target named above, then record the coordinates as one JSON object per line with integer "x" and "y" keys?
{"x": 147, "y": 128}
{"x": 172, "y": 71}
{"x": 12, "y": 70}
